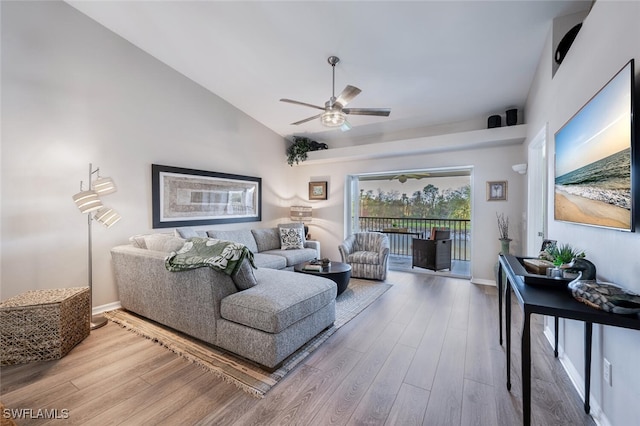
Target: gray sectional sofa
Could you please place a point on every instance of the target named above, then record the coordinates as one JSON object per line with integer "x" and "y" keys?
{"x": 265, "y": 321}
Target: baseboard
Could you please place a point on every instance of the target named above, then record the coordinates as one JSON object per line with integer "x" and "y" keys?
{"x": 97, "y": 310}
{"x": 483, "y": 281}
{"x": 577, "y": 380}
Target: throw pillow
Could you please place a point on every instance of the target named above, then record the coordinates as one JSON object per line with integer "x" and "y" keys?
{"x": 244, "y": 278}
{"x": 186, "y": 233}
{"x": 138, "y": 241}
{"x": 291, "y": 238}
{"x": 174, "y": 244}
{"x": 242, "y": 236}
{"x": 163, "y": 242}
{"x": 266, "y": 238}
{"x": 296, "y": 225}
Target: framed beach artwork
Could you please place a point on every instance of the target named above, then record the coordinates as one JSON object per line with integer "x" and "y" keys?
{"x": 497, "y": 190}
{"x": 594, "y": 158}
{"x": 188, "y": 197}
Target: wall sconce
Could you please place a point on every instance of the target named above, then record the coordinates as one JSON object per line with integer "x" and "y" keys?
{"x": 89, "y": 202}
{"x": 520, "y": 168}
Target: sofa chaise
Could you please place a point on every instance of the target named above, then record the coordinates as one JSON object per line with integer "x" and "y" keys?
{"x": 262, "y": 314}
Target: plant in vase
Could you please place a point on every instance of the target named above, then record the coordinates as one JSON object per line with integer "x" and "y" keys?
{"x": 503, "y": 232}
{"x": 561, "y": 255}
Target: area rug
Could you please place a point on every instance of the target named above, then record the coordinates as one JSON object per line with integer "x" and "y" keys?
{"x": 246, "y": 375}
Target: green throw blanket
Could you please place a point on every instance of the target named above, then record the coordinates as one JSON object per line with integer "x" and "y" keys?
{"x": 225, "y": 256}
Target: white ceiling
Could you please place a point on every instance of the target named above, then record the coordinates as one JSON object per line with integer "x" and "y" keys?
{"x": 431, "y": 62}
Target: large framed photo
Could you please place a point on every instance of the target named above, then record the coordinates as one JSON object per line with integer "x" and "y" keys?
{"x": 187, "y": 197}
{"x": 317, "y": 190}
{"x": 597, "y": 159}
{"x": 497, "y": 191}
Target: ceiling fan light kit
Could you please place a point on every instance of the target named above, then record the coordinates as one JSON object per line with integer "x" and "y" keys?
{"x": 335, "y": 113}
{"x": 333, "y": 118}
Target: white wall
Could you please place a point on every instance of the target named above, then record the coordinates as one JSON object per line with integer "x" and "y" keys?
{"x": 488, "y": 163}
{"x": 609, "y": 37}
{"x": 74, "y": 93}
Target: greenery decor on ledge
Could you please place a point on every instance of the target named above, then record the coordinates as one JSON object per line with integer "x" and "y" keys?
{"x": 297, "y": 151}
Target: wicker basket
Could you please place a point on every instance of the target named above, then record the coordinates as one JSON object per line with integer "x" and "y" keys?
{"x": 42, "y": 325}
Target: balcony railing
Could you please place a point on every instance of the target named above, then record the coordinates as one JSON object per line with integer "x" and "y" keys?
{"x": 401, "y": 231}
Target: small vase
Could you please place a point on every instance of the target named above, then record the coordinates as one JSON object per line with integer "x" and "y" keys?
{"x": 504, "y": 249}
{"x": 554, "y": 272}
{"x": 504, "y": 245}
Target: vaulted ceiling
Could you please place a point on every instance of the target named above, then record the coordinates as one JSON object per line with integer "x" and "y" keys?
{"x": 431, "y": 62}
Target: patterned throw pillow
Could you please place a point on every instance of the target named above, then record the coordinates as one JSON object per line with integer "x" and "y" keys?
{"x": 291, "y": 238}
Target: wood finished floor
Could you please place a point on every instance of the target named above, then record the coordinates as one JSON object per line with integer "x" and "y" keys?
{"x": 425, "y": 353}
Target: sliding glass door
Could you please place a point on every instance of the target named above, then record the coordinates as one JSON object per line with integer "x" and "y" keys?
{"x": 409, "y": 204}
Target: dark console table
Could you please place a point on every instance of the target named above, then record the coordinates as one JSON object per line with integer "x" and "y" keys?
{"x": 538, "y": 299}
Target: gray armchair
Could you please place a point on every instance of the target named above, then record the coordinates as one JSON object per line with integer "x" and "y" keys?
{"x": 367, "y": 253}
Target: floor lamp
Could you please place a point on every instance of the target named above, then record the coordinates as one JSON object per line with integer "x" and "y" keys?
{"x": 89, "y": 202}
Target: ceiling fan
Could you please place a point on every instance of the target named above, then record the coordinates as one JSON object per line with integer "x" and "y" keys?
{"x": 404, "y": 177}
{"x": 334, "y": 111}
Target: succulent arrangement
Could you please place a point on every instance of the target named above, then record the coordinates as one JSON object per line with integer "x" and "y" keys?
{"x": 561, "y": 254}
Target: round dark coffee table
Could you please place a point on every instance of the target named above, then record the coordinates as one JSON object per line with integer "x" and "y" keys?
{"x": 338, "y": 272}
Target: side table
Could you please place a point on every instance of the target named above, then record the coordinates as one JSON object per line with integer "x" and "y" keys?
{"x": 338, "y": 272}
{"x": 42, "y": 325}
{"x": 431, "y": 254}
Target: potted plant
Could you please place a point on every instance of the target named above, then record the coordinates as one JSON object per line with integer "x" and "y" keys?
{"x": 297, "y": 151}
{"x": 562, "y": 254}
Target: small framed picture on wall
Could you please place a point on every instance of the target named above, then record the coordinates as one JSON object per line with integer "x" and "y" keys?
{"x": 497, "y": 190}
{"x": 317, "y": 190}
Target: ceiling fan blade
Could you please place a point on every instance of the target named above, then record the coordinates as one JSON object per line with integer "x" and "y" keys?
{"x": 347, "y": 95}
{"x": 291, "y": 101}
{"x": 346, "y": 126}
{"x": 383, "y": 112}
{"x": 306, "y": 119}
